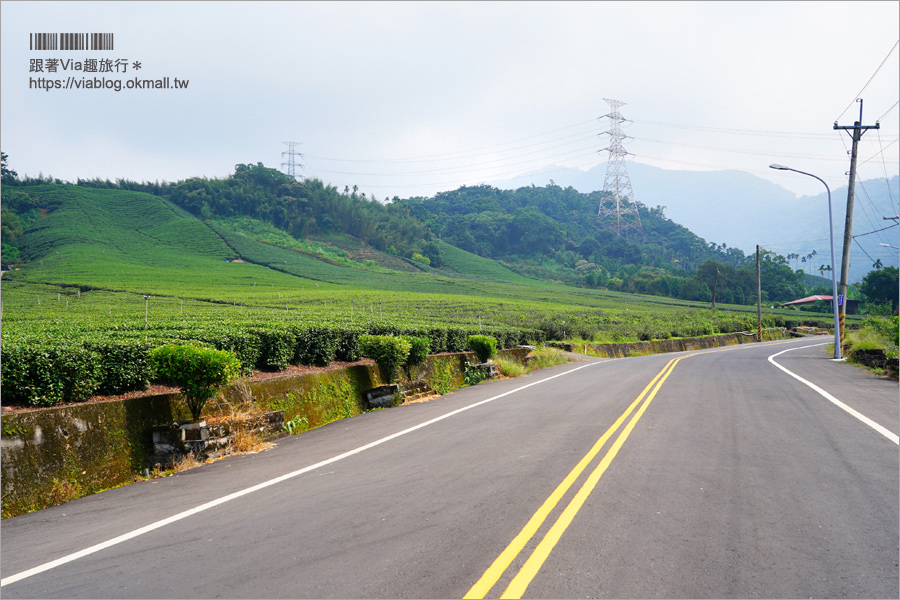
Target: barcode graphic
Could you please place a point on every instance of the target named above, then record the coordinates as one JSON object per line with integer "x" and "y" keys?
{"x": 71, "y": 41}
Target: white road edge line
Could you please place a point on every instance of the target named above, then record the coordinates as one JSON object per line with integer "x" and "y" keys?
{"x": 883, "y": 431}
{"x": 213, "y": 503}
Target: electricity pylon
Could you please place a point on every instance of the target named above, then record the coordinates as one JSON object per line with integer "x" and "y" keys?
{"x": 290, "y": 163}
{"x": 618, "y": 210}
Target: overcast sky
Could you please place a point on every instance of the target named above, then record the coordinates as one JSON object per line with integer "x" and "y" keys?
{"x": 412, "y": 98}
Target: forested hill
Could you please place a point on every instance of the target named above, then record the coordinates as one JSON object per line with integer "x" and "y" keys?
{"x": 537, "y": 224}
{"x": 548, "y": 233}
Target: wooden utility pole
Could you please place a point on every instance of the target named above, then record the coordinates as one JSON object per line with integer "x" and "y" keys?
{"x": 857, "y": 132}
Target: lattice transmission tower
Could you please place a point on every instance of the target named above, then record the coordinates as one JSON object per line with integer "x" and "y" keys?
{"x": 618, "y": 211}
{"x": 290, "y": 163}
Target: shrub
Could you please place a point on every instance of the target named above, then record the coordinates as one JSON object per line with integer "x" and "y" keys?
{"x": 277, "y": 348}
{"x": 246, "y": 346}
{"x": 473, "y": 375}
{"x": 124, "y": 365}
{"x": 388, "y": 352}
{"x": 199, "y": 372}
{"x": 317, "y": 346}
{"x": 348, "y": 345}
{"x": 418, "y": 353}
{"x": 438, "y": 337}
{"x": 456, "y": 339}
{"x": 484, "y": 346}
{"x": 44, "y": 375}
{"x": 418, "y": 350}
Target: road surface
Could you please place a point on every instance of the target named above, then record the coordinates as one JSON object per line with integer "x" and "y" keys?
{"x": 762, "y": 470}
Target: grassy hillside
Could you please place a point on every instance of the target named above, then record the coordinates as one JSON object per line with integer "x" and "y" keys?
{"x": 467, "y": 263}
{"x": 137, "y": 242}
{"x": 130, "y": 241}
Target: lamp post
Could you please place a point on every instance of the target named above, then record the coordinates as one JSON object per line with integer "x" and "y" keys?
{"x": 834, "y": 297}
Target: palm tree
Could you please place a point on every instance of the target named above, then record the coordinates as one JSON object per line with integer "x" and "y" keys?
{"x": 877, "y": 264}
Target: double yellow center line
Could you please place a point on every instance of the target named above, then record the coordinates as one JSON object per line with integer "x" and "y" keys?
{"x": 529, "y": 570}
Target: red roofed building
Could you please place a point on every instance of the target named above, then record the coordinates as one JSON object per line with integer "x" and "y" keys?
{"x": 852, "y": 305}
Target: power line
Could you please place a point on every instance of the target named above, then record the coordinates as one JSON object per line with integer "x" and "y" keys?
{"x": 877, "y": 154}
{"x": 863, "y": 249}
{"x": 782, "y": 134}
{"x": 538, "y": 150}
{"x": 876, "y": 231}
{"x": 884, "y": 166}
{"x": 874, "y": 208}
{"x": 732, "y": 150}
{"x": 852, "y": 102}
{"x": 451, "y": 155}
{"x": 470, "y": 166}
{"x": 492, "y": 179}
{"x": 888, "y": 110}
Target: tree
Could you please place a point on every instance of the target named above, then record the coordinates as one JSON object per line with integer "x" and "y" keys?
{"x": 432, "y": 252}
{"x": 880, "y": 286}
{"x": 199, "y": 372}
{"x": 5, "y": 171}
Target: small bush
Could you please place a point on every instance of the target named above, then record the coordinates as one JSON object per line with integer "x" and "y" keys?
{"x": 472, "y": 375}
{"x": 438, "y": 337}
{"x": 199, "y": 372}
{"x": 277, "y": 349}
{"x": 317, "y": 346}
{"x": 388, "y": 352}
{"x": 418, "y": 350}
{"x": 456, "y": 339}
{"x": 123, "y": 365}
{"x": 348, "y": 345}
{"x": 484, "y": 346}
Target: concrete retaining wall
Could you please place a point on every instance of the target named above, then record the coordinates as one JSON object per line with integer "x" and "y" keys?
{"x": 679, "y": 345}
{"x": 55, "y": 454}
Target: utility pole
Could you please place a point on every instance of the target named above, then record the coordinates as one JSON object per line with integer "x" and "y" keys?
{"x": 715, "y": 285}
{"x": 857, "y": 132}
{"x": 758, "y": 299}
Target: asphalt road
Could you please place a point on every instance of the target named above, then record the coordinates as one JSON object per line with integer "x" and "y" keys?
{"x": 691, "y": 475}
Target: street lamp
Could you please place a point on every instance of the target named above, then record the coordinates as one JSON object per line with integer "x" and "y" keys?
{"x": 834, "y": 296}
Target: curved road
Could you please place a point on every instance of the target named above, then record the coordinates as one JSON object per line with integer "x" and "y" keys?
{"x": 762, "y": 470}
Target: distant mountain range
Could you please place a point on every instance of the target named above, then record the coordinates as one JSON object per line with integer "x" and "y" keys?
{"x": 742, "y": 210}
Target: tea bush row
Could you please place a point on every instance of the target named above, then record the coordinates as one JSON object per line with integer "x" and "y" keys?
{"x": 43, "y": 369}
